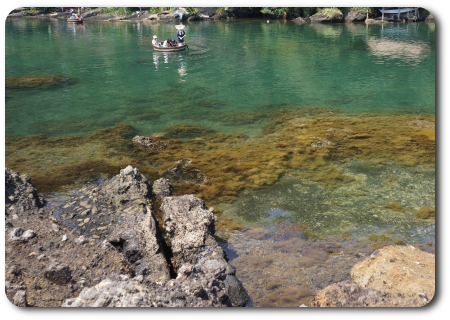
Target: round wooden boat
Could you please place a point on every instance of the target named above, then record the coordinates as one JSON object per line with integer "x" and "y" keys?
{"x": 75, "y": 20}
{"x": 170, "y": 49}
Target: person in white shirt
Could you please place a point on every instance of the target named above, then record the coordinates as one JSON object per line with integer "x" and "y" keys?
{"x": 155, "y": 41}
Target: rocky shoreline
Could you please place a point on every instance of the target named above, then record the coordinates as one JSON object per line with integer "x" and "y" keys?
{"x": 103, "y": 246}
{"x": 209, "y": 13}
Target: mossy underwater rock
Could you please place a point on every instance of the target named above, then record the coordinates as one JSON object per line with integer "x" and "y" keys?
{"x": 425, "y": 213}
{"x": 35, "y": 81}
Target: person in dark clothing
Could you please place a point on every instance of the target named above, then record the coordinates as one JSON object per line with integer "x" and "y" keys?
{"x": 180, "y": 35}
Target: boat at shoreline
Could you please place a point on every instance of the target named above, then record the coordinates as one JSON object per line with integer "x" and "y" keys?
{"x": 76, "y": 20}
{"x": 170, "y": 49}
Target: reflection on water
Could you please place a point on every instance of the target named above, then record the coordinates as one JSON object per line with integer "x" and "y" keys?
{"x": 397, "y": 43}
{"x": 410, "y": 52}
{"x": 172, "y": 59}
{"x": 181, "y": 66}
{"x": 327, "y": 30}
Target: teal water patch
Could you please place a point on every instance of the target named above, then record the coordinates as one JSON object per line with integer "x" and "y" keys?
{"x": 230, "y": 66}
{"x": 380, "y": 203}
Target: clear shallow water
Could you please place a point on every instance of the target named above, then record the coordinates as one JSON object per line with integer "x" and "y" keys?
{"x": 234, "y": 78}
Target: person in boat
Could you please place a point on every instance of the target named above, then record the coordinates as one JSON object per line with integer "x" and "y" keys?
{"x": 171, "y": 42}
{"x": 180, "y": 35}
{"x": 155, "y": 41}
{"x": 167, "y": 43}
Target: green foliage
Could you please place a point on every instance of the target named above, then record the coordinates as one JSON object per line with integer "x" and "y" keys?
{"x": 34, "y": 10}
{"x": 277, "y": 11}
{"x": 192, "y": 9}
{"x": 362, "y": 9}
{"x": 424, "y": 12}
{"x": 309, "y": 11}
{"x": 249, "y": 10}
{"x": 328, "y": 11}
{"x": 220, "y": 10}
{"x": 118, "y": 10}
{"x": 158, "y": 9}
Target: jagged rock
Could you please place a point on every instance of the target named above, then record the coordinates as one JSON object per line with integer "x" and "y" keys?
{"x": 20, "y": 195}
{"x": 190, "y": 228}
{"x": 199, "y": 285}
{"x": 120, "y": 210}
{"x": 130, "y": 186}
{"x": 139, "y": 239}
{"x": 96, "y": 210}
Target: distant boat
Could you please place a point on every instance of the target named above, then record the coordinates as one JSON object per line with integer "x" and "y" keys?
{"x": 397, "y": 10}
{"x": 76, "y": 20}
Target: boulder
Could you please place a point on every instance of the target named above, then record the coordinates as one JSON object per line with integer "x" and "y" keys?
{"x": 355, "y": 16}
{"x": 349, "y": 294}
{"x": 325, "y": 18}
{"x": 394, "y": 276}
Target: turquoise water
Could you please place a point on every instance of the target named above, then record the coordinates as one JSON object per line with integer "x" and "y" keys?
{"x": 113, "y": 75}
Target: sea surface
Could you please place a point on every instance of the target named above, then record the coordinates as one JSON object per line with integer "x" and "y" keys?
{"x": 314, "y": 143}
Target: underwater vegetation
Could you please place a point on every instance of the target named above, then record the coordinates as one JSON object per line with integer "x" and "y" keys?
{"x": 304, "y": 142}
{"x": 300, "y": 143}
{"x": 186, "y": 131}
{"x": 54, "y": 163}
{"x": 425, "y": 213}
{"x": 36, "y": 81}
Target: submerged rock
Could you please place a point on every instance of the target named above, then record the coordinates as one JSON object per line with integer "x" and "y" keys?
{"x": 36, "y": 81}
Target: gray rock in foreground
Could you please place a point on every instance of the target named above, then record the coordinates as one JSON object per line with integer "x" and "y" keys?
{"x": 20, "y": 195}
{"x": 197, "y": 285}
{"x": 189, "y": 225}
{"x": 117, "y": 213}
{"x": 139, "y": 239}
